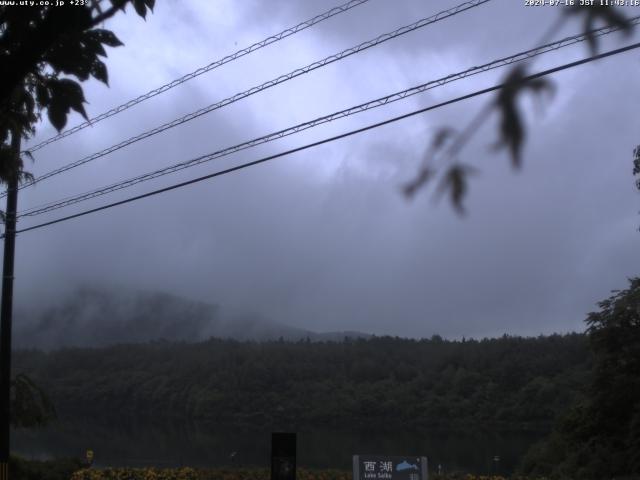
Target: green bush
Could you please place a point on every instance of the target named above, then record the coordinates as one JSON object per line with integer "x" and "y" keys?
{"x": 61, "y": 469}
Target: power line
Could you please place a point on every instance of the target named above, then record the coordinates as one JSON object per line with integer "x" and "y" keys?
{"x": 213, "y": 65}
{"x": 271, "y": 83}
{"x": 64, "y": 202}
{"x": 331, "y": 139}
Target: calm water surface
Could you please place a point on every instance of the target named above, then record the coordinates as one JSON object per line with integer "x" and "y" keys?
{"x": 139, "y": 445}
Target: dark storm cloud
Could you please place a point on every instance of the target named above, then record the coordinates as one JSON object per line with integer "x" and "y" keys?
{"x": 323, "y": 239}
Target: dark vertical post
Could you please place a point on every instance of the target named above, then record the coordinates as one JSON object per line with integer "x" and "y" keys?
{"x": 283, "y": 456}
{"x": 6, "y": 310}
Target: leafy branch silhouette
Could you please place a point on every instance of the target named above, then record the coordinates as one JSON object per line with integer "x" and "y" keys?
{"x": 30, "y": 405}
{"x": 447, "y": 143}
{"x": 44, "y": 55}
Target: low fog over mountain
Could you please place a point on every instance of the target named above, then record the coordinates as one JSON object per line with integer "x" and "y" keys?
{"x": 92, "y": 317}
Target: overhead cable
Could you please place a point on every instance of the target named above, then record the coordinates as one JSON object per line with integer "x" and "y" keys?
{"x": 207, "y": 68}
{"x": 271, "y": 83}
{"x": 330, "y": 139}
{"x": 518, "y": 57}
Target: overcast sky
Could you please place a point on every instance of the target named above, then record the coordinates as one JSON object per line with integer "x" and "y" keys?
{"x": 324, "y": 239}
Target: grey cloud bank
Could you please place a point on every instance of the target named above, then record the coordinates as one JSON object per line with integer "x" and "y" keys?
{"x": 324, "y": 240}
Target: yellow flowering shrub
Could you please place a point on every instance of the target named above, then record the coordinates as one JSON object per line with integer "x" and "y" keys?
{"x": 200, "y": 474}
{"x": 468, "y": 476}
{"x": 136, "y": 474}
{"x": 188, "y": 473}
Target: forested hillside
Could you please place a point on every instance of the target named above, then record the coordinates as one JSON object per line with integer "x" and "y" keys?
{"x": 382, "y": 383}
{"x": 599, "y": 436}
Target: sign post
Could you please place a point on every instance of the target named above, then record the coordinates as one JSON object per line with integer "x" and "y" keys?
{"x": 283, "y": 456}
{"x": 89, "y": 457}
{"x": 380, "y": 467}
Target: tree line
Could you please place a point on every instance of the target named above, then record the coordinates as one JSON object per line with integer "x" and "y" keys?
{"x": 380, "y": 384}
{"x": 599, "y": 435}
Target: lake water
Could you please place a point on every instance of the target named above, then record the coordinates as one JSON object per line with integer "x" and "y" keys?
{"x": 141, "y": 445}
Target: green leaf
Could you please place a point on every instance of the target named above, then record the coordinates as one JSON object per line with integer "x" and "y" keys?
{"x": 42, "y": 95}
{"x": 77, "y": 54}
{"x": 65, "y": 95}
{"x": 30, "y": 155}
{"x": 70, "y": 59}
{"x": 57, "y": 114}
{"x": 512, "y": 132}
{"x": 99, "y": 72}
{"x": 608, "y": 15}
{"x": 106, "y": 37}
{"x": 140, "y": 7}
{"x": 455, "y": 182}
{"x": 93, "y": 45}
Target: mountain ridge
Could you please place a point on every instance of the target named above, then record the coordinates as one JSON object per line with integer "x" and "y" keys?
{"x": 95, "y": 317}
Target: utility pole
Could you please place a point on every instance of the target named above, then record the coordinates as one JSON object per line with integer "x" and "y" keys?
{"x": 636, "y": 165}
{"x": 6, "y": 310}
